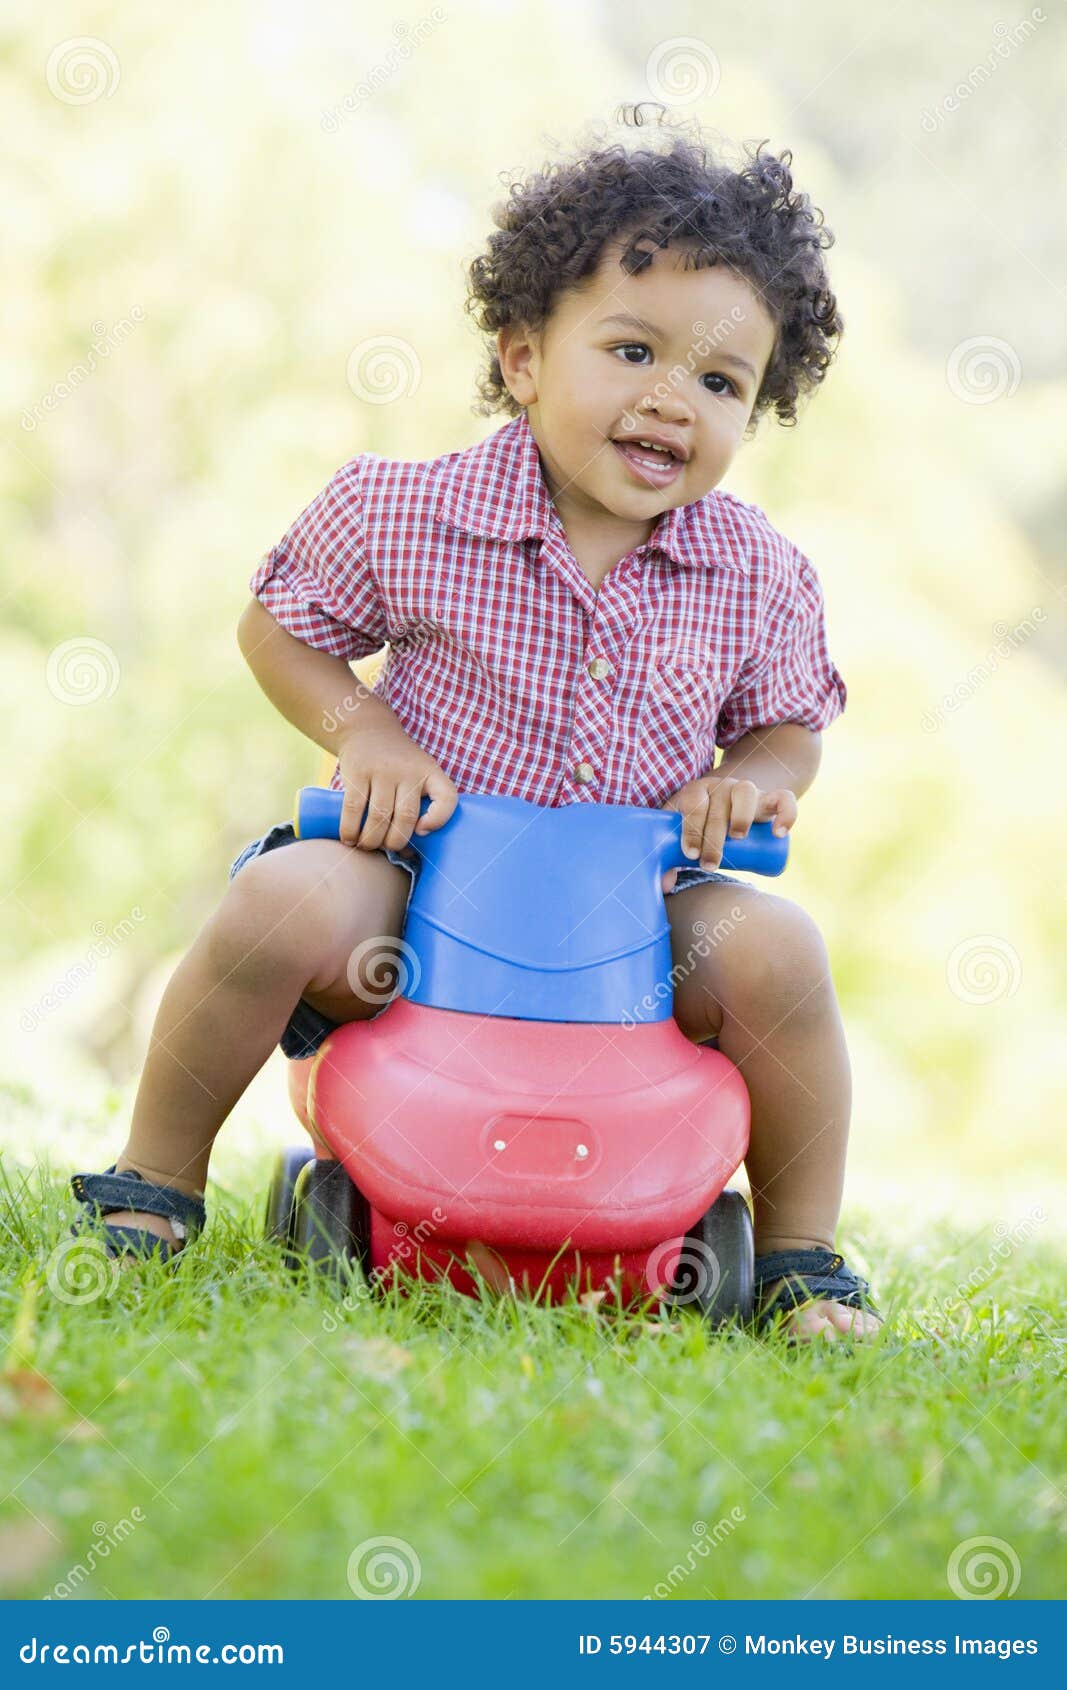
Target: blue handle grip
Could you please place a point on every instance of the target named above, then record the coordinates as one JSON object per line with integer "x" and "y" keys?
{"x": 759, "y": 852}
{"x": 317, "y": 814}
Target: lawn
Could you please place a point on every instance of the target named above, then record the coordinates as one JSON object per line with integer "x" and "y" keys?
{"x": 231, "y": 1431}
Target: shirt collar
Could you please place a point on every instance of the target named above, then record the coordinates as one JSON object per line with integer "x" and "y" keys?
{"x": 497, "y": 489}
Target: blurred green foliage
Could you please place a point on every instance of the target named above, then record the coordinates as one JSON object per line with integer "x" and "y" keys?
{"x": 191, "y": 258}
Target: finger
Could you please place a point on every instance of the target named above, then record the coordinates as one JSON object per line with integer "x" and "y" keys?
{"x": 779, "y": 807}
{"x": 715, "y": 823}
{"x": 744, "y": 801}
{"x": 444, "y": 800}
{"x": 405, "y": 814}
{"x": 668, "y": 880}
{"x": 693, "y": 803}
{"x": 379, "y": 813}
{"x": 355, "y": 802}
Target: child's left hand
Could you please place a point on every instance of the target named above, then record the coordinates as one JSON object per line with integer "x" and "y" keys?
{"x": 718, "y": 804}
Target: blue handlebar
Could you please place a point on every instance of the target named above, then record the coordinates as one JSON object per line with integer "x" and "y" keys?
{"x": 317, "y": 813}
{"x": 318, "y": 816}
{"x": 759, "y": 852}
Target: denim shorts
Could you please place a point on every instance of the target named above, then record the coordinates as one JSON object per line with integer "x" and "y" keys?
{"x": 307, "y": 1027}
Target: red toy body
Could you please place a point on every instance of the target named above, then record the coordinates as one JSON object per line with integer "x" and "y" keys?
{"x": 626, "y": 1139}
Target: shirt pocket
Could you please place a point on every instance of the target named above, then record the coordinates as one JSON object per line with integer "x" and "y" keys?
{"x": 681, "y": 708}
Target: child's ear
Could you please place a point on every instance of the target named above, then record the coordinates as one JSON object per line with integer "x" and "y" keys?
{"x": 516, "y": 347}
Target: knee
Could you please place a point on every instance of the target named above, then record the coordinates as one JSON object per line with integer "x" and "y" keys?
{"x": 272, "y": 920}
{"x": 776, "y": 965}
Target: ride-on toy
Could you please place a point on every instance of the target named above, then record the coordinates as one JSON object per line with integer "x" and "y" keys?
{"x": 527, "y": 1106}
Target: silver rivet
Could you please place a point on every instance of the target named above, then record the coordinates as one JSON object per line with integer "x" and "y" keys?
{"x": 499, "y": 1144}
{"x": 581, "y": 1151}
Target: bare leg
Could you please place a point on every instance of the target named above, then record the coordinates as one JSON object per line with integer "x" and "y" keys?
{"x": 764, "y": 989}
{"x": 286, "y": 929}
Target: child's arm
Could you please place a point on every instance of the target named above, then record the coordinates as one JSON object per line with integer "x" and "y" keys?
{"x": 786, "y": 755}
{"x": 314, "y": 690}
{"x": 380, "y": 765}
{"x": 758, "y": 780}
{"x": 770, "y": 727}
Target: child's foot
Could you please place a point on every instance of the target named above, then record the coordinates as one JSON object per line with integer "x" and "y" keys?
{"x": 811, "y": 1293}
{"x": 164, "y": 1214}
{"x": 157, "y": 1224}
{"x": 826, "y": 1319}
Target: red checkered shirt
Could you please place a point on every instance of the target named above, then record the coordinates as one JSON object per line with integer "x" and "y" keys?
{"x": 509, "y": 668}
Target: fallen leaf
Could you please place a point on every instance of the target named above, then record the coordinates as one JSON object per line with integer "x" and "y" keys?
{"x": 27, "y": 1394}
{"x": 489, "y": 1265}
{"x": 23, "y": 1390}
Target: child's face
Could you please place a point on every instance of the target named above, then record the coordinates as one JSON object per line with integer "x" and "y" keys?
{"x": 690, "y": 375}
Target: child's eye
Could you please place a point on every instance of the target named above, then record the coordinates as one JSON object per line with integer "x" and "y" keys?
{"x": 631, "y": 346}
{"x": 714, "y": 375}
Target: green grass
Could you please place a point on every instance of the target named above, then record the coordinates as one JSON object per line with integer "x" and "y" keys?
{"x": 225, "y": 1431}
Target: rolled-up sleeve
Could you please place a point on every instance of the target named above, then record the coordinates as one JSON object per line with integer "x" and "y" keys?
{"x": 790, "y": 676}
{"x": 317, "y": 581}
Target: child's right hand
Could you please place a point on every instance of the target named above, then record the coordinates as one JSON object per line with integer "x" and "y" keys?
{"x": 386, "y": 770}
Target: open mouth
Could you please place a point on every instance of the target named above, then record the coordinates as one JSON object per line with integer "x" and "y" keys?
{"x": 651, "y": 465}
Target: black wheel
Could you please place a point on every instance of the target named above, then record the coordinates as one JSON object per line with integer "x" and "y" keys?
{"x": 331, "y": 1217}
{"x": 278, "y": 1219}
{"x": 716, "y": 1269}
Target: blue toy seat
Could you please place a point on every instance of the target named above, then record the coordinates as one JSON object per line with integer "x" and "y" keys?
{"x": 545, "y": 914}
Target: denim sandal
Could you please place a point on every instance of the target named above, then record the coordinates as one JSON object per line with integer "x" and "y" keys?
{"x": 109, "y": 1192}
{"x": 809, "y": 1276}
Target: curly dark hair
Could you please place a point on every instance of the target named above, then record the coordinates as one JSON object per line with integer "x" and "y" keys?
{"x": 554, "y": 227}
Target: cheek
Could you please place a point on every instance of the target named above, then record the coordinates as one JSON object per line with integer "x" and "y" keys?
{"x": 726, "y": 426}
{"x": 576, "y": 414}
{"x": 575, "y": 386}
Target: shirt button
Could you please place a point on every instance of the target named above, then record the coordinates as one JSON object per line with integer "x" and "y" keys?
{"x": 599, "y": 668}
{"x": 583, "y": 773}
